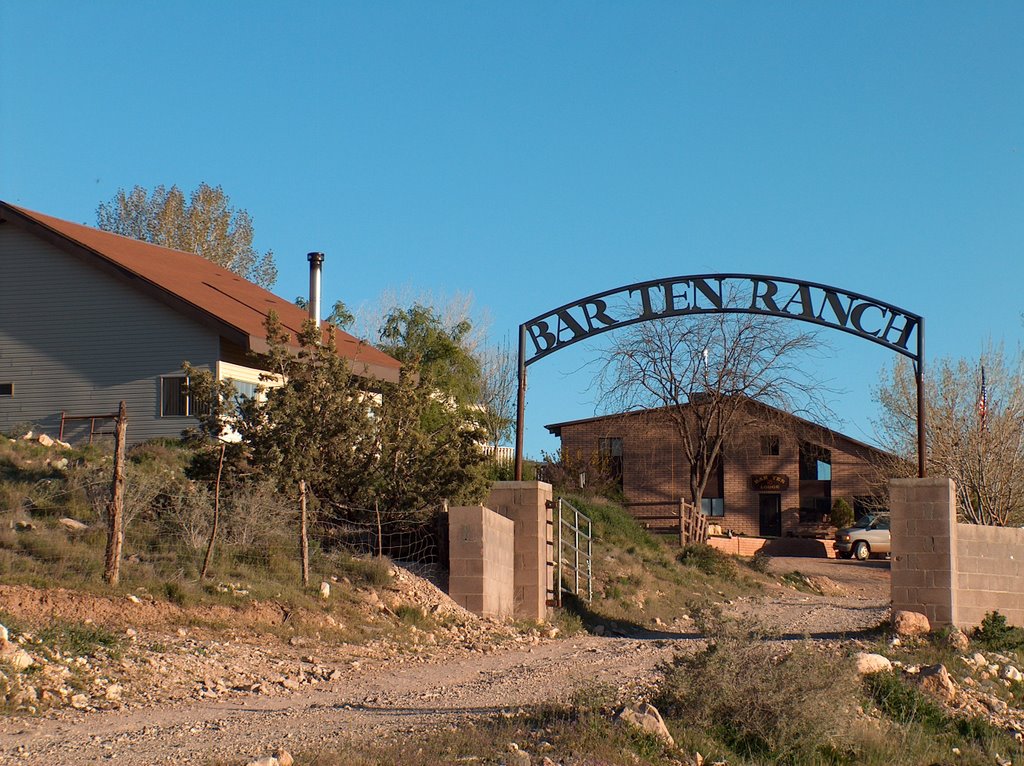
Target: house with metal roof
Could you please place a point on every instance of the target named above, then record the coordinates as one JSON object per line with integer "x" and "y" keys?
{"x": 89, "y": 318}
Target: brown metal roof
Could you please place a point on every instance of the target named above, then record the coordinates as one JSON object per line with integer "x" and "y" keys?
{"x": 195, "y": 286}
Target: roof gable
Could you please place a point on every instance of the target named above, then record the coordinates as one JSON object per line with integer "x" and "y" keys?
{"x": 189, "y": 283}
{"x": 826, "y": 434}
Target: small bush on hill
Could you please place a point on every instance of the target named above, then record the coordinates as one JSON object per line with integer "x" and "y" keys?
{"x": 708, "y": 560}
{"x": 996, "y": 635}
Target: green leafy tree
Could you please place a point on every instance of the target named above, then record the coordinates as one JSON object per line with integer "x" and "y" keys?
{"x": 206, "y": 224}
{"x": 340, "y": 315}
{"x": 418, "y": 336}
{"x": 427, "y": 451}
{"x": 317, "y": 426}
{"x": 355, "y": 442}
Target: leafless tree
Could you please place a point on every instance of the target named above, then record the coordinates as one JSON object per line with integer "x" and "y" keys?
{"x": 701, "y": 374}
{"x": 980, "y": 447}
{"x": 498, "y": 386}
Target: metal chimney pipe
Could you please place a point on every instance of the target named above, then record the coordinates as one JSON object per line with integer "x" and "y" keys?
{"x": 316, "y": 261}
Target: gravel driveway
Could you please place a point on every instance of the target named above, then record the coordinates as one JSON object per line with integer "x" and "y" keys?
{"x": 391, "y": 695}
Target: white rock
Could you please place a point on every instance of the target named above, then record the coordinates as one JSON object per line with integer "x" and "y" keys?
{"x": 978, "y": 660}
{"x": 73, "y": 525}
{"x": 4, "y": 635}
{"x": 907, "y": 623}
{"x": 64, "y": 445}
{"x": 45, "y": 440}
{"x": 935, "y": 679}
{"x": 113, "y": 693}
{"x": 134, "y": 599}
{"x": 644, "y": 715}
{"x": 1010, "y": 673}
{"x": 869, "y": 664}
{"x": 28, "y": 437}
{"x": 17, "y": 658}
{"x": 80, "y": 701}
{"x": 958, "y": 639}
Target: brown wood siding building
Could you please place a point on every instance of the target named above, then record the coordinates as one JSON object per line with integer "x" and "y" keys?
{"x": 778, "y": 476}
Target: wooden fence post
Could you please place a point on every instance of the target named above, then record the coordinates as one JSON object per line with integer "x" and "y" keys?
{"x": 115, "y": 509}
{"x": 216, "y": 515}
{"x": 682, "y": 524}
{"x": 303, "y": 533}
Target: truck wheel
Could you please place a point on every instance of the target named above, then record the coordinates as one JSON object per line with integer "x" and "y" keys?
{"x": 861, "y": 551}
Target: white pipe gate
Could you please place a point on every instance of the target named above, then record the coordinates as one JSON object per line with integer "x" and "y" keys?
{"x": 573, "y": 549}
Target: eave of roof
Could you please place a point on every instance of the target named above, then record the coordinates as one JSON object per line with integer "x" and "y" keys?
{"x": 192, "y": 285}
{"x": 555, "y": 429}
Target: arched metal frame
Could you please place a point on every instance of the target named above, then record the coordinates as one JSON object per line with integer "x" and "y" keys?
{"x": 868, "y": 318}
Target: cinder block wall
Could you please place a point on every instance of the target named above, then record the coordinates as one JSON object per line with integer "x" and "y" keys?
{"x": 954, "y": 573}
{"x": 990, "y": 575}
{"x": 525, "y": 503}
{"x": 924, "y": 547}
{"x": 480, "y": 553}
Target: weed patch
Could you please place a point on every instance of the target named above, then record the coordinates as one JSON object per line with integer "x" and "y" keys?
{"x": 761, "y": 699}
{"x": 81, "y": 639}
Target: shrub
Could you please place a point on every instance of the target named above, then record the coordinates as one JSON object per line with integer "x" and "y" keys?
{"x": 903, "y": 703}
{"x": 842, "y": 514}
{"x": 413, "y": 615}
{"x": 763, "y": 700}
{"x": 760, "y": 562}
{"x": 708, "y": 560}
{"x": 996, "y": 635}
{"x": 372, "y": 571}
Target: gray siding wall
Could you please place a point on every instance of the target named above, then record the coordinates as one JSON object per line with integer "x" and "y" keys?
{"x": 74, "y": 338}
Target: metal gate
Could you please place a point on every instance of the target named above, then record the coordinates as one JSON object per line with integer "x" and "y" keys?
{"x": 573, "y": 548}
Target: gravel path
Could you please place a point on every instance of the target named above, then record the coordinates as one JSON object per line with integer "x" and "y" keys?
{"x": 372, "y": 697}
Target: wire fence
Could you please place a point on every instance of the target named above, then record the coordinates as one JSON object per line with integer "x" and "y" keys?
{"x": 53, "y": 529}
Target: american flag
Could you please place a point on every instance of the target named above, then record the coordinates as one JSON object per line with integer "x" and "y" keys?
{"x": 982, "y": 400}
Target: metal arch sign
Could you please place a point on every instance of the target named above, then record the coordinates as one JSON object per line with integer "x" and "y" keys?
{"x": 865, "y": 317}
{"x": 868, "y": 318}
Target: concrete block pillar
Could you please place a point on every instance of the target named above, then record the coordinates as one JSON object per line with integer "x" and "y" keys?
{"x": 526, "y": 504}
{"x": 480, "y": 550}
{"x": 924, "y": 548}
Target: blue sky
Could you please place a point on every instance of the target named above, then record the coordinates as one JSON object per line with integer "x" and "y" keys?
{"x": 535, "y": 153}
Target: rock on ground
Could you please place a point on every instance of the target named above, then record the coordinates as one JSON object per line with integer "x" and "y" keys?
{"x": 869, "y": 664}
{"x": 907, "y": 623}
{"x": 935, "y": 680}
{"x": 645, "y": 716}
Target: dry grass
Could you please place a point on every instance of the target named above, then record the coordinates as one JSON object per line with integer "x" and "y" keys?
{"x": 640, "y": 578}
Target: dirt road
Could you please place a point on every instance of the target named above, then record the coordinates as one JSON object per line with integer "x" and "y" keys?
{"x": 371, "y": 697}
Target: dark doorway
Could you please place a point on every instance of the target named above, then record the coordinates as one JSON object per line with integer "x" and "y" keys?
{"x": 771, "y": 515}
